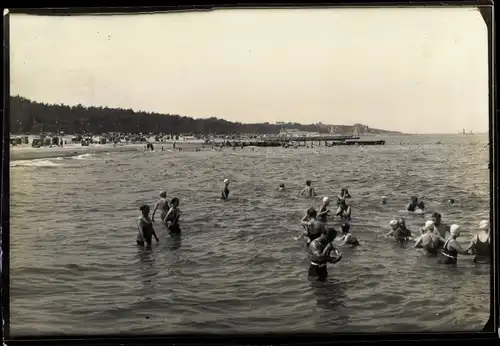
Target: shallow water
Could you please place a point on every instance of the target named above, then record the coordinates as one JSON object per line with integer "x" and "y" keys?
{"x": 75, "y": 267}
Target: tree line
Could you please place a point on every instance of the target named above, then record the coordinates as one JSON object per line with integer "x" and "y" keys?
{"x": 32, "y": 117}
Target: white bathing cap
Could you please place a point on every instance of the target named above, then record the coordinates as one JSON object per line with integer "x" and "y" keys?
{"x": 393, "y": 223}
{"x": 484, "y": 224}
{"x": 383, "y": 197}
{"x": 428, "y": 224}
{"x": 226, "y": 181}
{"x": 455, "y": 230}
{"x": 326, "y": 199}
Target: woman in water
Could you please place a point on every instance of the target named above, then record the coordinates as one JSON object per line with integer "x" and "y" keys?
{"x": 452, "y": 248}
{"x": 344, "y": 194}
{"x": 225, "y": 190}
{"x": 323, "y": 210}
{"x": 344, "y": 212}
{"x": 173, "y": 216}
{"x": 429, "y": 240}
{"x": 398, "y": 231}
{"x": 347, "y": 237}
{"x": 145, "y": 227}
{"x": 481, "y": 244}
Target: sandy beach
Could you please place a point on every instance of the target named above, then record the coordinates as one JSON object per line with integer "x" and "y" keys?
{"x": 29, "y": 153}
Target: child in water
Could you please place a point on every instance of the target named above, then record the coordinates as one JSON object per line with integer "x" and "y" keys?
{"x": 347, "y": 237}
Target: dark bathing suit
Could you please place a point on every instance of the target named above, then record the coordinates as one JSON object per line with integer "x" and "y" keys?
{"x": 323, "y": 218}
{"x": 225, "y": 193}
{"x": 482, "y": 251}
{"x": 448, "y": 256}
{"x": 318, "y": 270}
{"x": 174, "y": 227}
{"x": 147, "y": 232}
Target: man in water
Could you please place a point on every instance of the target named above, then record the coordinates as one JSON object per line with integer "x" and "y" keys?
{"x": 320, "y": 250}
{"x": 145, "y": 227}
{"x": 440, "y": 227}
{"x": 162, "y": 205}
{"x": 415, "y": 204}
{"x": 430, "y": 241}
{"x": 383, "y": 200}
{"x": 173, "y": 216}
{"x": 225, "y": 190}
{"x": 308, "y": 191}
{"x": 312, "y": 226}
{"x": 323, "y": 210}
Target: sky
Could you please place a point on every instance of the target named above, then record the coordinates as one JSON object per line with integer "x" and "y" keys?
{"x": 410, "y": 70}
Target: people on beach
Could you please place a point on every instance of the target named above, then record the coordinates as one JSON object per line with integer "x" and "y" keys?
{"x": 321, "y": 250}
{"x": 451, "y": 248}
{"x": 347, "y": 237}
{"x": 225, "y": 190}
{"x": 145, "y": 228}
{"x": 173, "y": 216}
{"x": 308, "y": 190}
{"x": 481, "y": 244}
{"x": 162, "y": 205}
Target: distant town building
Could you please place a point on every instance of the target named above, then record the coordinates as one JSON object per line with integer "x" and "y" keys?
{"x": 297, "y": 133}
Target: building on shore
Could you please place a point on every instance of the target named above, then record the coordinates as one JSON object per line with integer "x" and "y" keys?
{"x": 297, "y": 133}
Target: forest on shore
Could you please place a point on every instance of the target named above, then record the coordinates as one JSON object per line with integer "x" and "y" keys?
{"x": 30, "y": 117}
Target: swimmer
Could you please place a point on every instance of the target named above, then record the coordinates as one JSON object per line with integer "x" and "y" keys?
{"x": 161, "y": 204}
{"x": 312, "y": 226}
{"x": 344, "y": 194}
{"x": 320, "y": 250}
{"x": 173, "y": 216}
{"x": 397, "y": 232}
{"x": 347, "y": 237}
{"x": 308, "y": 190}
{"x": 481, "y": 244}
{"x": 225, "y": 190}
{"x": 452, "y": 248}
{"x": 323, "y": 210}
{"x": 451, "y": 201}
{"x": 344, "y": 211}
{"x": 430, "y": 240}
{"x": 281, "y": 186}
{"x": 441, "y": 228}
{"x": 383, "y": 200}
{"x": 415, "y": 204}
{"x": 145, "y": 227}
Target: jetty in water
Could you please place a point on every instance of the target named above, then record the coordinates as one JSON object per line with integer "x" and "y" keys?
{"x": 325, "y": 141}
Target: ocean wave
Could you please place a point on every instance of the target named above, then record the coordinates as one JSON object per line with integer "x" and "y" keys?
{"x": 34, "y": 163}
{"x": 82, "y": 156}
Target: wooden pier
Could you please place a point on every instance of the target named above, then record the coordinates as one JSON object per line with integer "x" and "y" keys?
{"x": 325, "y": 141}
